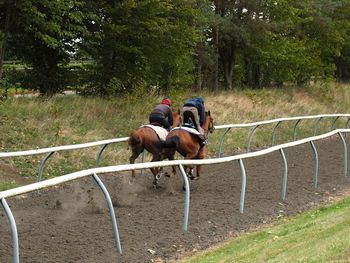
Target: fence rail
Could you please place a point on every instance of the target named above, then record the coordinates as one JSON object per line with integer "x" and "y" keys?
{"x": 254, "y": 125}
{"x": 298, "y": 119}
{"x": 180, "y": 163}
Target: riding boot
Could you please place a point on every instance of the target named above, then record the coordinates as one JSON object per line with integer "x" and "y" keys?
{"x": 204, "y": 139}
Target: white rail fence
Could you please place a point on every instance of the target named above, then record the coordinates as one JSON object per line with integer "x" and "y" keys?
{"x": 50, "y": 151}
{"x": 253, "y": 126}
{"x": 180, "y": 163}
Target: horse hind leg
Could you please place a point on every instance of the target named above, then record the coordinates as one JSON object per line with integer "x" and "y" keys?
{"x": 156, "y": 171}
{"x": 190, "y": 172}
{"x": 135, "y": 153}
{"x": 190, "y": 168}
{"x": 199, "y": 169}
{"x": 201, "y": 155}
{"x": 173, "y": 169}
{"x": 168, "y": 154}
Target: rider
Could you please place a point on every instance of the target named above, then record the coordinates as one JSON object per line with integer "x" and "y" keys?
{"x": 197, "y": 108}
{"x": 162, "y": 115}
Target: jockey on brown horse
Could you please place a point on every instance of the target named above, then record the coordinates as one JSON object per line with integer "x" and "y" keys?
{"x": 188, "y": 143}
{"x": 162, "y": 115}
{"x": 146, "y": 137}
{"x": 193, "y": 114}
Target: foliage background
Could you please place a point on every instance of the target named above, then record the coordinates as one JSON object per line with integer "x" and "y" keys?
{"x": 160, "y": 45}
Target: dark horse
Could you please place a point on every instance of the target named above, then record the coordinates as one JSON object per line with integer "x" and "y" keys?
{"x": 146, "y": 138}
{"x": 188, "y": 145}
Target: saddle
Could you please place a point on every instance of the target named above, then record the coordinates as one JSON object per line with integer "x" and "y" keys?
{"x": 188, "y": 129}
{"x": 189, "y": 120}
{"x": 160, "y": 131}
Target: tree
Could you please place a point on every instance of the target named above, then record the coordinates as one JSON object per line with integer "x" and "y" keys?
{"x": 137, "y": 43}
{"x": 5, "y": 16}
{"x": 43, "y": 35}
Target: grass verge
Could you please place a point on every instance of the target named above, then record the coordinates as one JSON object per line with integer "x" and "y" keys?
{"x": 321, "y": 235}
{"x": 7, "y": 185}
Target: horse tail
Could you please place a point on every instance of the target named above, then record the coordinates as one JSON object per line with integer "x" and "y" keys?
{"x": 134, "y": 140}
{"x": 172, "y": 142}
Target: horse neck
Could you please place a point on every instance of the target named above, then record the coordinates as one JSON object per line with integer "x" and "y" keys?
{"x": 176, "y": 119}
{"x": 206, "y": 124}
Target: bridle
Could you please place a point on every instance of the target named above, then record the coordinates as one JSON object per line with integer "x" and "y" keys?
{"x": 211, "y": 125}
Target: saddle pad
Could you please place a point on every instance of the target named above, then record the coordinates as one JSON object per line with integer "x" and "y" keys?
{"x": 161, "y": 132}
{"x": 190, "y": 130}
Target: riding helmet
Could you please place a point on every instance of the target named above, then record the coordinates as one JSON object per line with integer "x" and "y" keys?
{"x": 166, "y": 101}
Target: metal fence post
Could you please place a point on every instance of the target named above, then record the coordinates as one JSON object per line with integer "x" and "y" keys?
{"x": 346, "y": 124}
{"x": 316, "y": 125}
{"x": 252, "y": 130}
{"x": 333, "y": 123}
{"x": 345, "y": 154}
{"x": 222, "y": 142}
{"x": 285, "y": 175}
{"x": 315, "y": 163}
{"x": 14, "y": 234}
{"x": 187, "y": 198}
{"x": 295, "y": 130}
{"x": 42, "y": 165}
{"x": 100, "y": 154}
{"x": 274, "y": 133}
{"x": 111, "y": 212}
{"x": 142, "y": 160}
{"x": 244, "y": 181}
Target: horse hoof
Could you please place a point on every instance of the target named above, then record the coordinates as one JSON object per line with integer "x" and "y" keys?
{"x": 155, "y": 185}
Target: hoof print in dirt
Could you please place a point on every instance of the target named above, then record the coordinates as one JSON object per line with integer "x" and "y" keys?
{"x": 115, "y": 202}
{"x": 58, "y": 204}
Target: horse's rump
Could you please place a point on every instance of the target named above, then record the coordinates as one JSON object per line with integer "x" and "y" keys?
{"x": 145, "y": 138}
{"x": 178, "y": 138}
{"x": 134, "y": 139}
{"x": 172, "y": 142}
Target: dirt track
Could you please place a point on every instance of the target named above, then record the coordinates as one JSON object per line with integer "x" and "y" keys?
{"x": 71, "y": 223}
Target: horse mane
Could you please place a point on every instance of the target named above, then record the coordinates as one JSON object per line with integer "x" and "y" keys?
{"x": 176, "y": 117}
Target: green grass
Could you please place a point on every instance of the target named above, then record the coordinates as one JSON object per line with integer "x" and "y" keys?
{"x": 7, "y": 185}
{"x": 321, "y": 235}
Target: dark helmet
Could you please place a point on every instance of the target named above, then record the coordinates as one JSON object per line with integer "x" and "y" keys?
{"x": 166, "y": 101}
{"x": 200, "y": 100}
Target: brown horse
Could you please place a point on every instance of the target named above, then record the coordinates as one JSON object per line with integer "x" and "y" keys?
{"x": 188, "y": 145}
{"x": 146, "y": 138}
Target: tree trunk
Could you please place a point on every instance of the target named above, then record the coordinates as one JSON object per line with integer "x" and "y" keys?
{"x": 198, "y": 75}
{"x": 216, "y": 81}
{"x": 228, "y": 59}
{"x": 256, "y": 76}
{"x": 228, "y": 74}
{"x": 6, "y": 31}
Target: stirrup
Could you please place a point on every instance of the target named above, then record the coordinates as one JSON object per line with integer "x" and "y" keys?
{"x": 204, "y": 139}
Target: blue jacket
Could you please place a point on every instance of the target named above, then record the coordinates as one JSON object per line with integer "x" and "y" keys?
{"x": 199, "y": 104}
